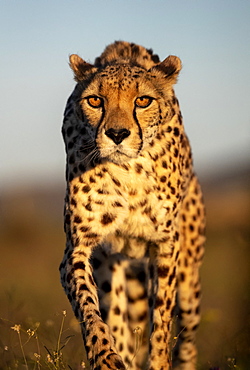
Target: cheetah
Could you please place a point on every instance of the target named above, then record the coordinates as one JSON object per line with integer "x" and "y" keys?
{"x": 134, "y": 215}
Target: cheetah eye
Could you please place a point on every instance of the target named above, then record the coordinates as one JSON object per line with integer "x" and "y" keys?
{"x": 143, "y": 101}
{"x": 94, "y": 101}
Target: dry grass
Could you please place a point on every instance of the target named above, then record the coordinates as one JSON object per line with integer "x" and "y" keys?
{"x": 27, "y": 350}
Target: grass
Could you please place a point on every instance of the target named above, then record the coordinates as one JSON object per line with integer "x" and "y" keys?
{"x": 31, "y": 348}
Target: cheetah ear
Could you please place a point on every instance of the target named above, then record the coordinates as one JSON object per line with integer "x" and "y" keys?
{"x": 171, "y": 67}
{"x": 79, "y": 67}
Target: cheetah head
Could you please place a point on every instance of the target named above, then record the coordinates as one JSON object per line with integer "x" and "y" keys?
{"x": 122, "y": 105}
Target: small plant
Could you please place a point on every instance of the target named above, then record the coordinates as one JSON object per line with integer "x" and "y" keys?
{"x": 138, "y": 340}
{"x": 17, "y": 328}
{"x": 31, "y": 353}
{"x": 55, "y": 358}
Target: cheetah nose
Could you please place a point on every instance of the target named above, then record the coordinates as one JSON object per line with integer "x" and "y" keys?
{"x": 117, "y": 135}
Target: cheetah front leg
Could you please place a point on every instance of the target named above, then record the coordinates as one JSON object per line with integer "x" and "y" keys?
{"x": 81, "y": 290}
{"x": 162, "y": 302}
{"x": 78, "y": 282}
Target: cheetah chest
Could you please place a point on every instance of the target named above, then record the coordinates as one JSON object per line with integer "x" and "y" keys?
{"x": 115, "y": 200}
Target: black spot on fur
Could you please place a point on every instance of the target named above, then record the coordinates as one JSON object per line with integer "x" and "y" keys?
{"x": 163, "y": 271}
{"x": 88, "y": 207}
{"x": 176, "y": 131}
{"x": 79, "y": 265}
{"x": 107, "y": 218}
{"x": 86, "y": 189}
{"x": 158, "y": 302}
{"x": 182, "y": 276}
{"x": 172, "y": 276}
{"x": 117, "y": 310}
{"x": 168, "y": 304}
{"x": 77, "y": 219}
{"x": 84, "y": 228}
{"x": 73, "y": 202}
{"x": 105, "y": 341}
{"x": 116, "y": 181}
{"x": 117, "y": 204}
{"x": 120, "y": 347}
{"x": 138, "y": 168}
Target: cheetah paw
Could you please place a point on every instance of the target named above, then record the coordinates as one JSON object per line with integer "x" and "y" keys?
{"x": 111, "y": 362}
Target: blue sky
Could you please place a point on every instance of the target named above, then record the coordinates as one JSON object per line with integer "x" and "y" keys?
{"x": 212, "y": 38}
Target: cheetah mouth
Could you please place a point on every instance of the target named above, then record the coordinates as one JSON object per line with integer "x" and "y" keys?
{"x": 118, "y": 157}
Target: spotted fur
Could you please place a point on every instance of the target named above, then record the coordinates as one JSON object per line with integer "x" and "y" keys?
{"x": 134, "y": 216}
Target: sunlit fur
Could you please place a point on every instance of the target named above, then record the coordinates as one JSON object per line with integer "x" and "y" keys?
{"x": 134, "y": 216}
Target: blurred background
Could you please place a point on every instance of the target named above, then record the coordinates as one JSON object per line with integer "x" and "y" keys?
{"x": 212, "y": 38}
